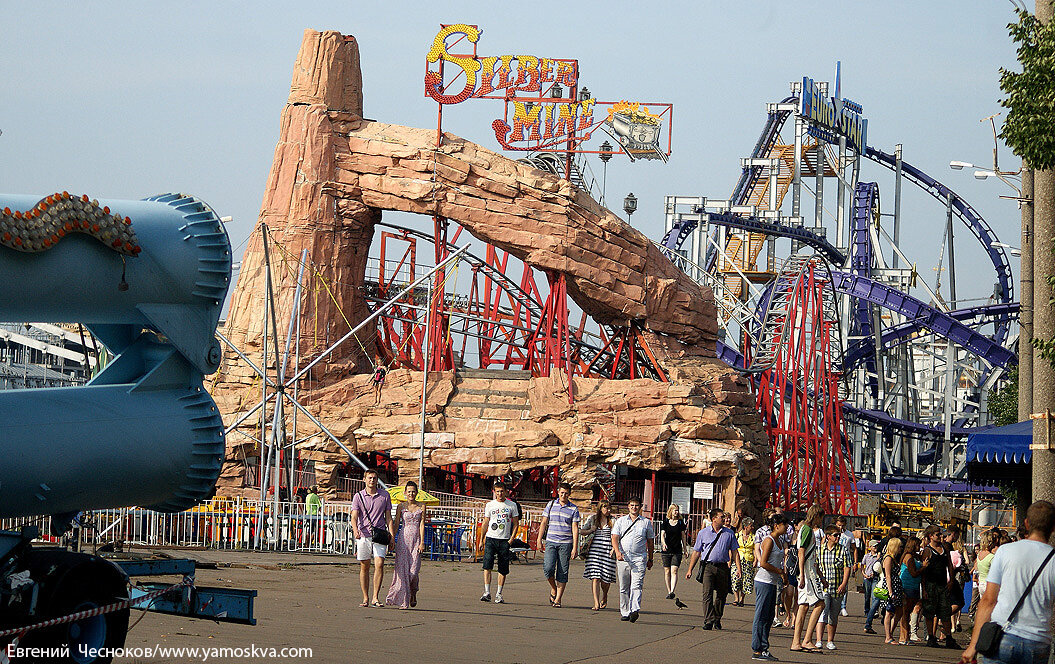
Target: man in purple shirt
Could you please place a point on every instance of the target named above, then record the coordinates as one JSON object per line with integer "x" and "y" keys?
{"x": 715, "y": 547}
{"x": 372, "y": 525}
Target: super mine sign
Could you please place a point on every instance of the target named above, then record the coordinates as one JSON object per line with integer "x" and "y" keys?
{"x": 537, "y": 115}
{"x": 831, "y": 118}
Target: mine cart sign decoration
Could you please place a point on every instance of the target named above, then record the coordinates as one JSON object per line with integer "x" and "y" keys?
{"x": 545, "y": 108}
{"x": 831, "y": 118}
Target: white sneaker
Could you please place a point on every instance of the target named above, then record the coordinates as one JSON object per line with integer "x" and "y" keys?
{"x": 776, "y": 622}
{"x": 498, "y": 599}
{"x": 831, "y": 646}
{"x": 843, "y": 613}
{"x": 818, "y": 644}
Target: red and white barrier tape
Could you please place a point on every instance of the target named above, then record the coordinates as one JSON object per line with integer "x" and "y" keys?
{"x": 98, "y": 611}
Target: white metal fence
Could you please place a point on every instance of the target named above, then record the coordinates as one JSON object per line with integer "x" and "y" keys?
{"x": 247, "y": 524}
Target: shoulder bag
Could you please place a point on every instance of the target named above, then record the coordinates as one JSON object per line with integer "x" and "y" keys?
{"x": 380, "y": 536}
{"x": 586, "y": 541}
{"x": 881, "y": 591}
{"x": 991, "y": 633}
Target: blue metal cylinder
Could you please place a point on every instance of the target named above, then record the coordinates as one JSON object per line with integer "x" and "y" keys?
{"x": 83, "y": 274}
{"x": 77, "y": 448}
{"x": 148, "y": 278}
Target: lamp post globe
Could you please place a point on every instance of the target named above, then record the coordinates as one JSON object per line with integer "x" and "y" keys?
{"x": 606, "y": 152}
{"x": 630, "y": 205}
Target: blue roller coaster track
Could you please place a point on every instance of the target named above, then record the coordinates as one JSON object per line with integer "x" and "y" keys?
{"x": 856, "y": 281}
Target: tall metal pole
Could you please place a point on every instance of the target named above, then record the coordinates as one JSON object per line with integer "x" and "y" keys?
{"x": 279, "y": 434}
{"x": 424, "y": 386}
{"x": 897, "y": 202}
{"x": 818, "y": 221}
{"x": 950, "y": 394}
{"x": 796, "y": 183}
{"x": 1025, "y": 315}
{"x": 840, "y": 215}
{"x": 952, "y": 256}
{"x": 294, "y": 324}
{"x": 263, "y": 391}
{"x": 1043, "y": 316}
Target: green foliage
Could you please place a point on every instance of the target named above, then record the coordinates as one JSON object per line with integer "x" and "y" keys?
{"x": 1003, "y": 403}
{"x": 1029, "y": 128}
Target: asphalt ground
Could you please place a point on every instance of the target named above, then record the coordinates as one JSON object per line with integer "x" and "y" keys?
{"x": 313, "y": 602}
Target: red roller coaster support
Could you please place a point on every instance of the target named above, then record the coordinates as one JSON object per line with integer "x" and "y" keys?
{"x": 798, "y": 396}
{"x": 441, "y": 355}
{"x": 550, "y": 345}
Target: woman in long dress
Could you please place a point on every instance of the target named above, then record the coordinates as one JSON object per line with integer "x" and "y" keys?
{"x": 410, "y": 515}
{"x": 600, "y": 558}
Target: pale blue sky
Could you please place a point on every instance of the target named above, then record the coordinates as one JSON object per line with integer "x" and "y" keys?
{"x": 123, "y": 100}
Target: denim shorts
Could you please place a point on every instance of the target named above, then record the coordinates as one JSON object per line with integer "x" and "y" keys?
{"x": 557, "y": 560}
{"x": 496, "y": 550}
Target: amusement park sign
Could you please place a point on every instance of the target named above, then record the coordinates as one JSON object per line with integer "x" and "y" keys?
{"x": 538, "y": 116}
{"x": 831, "y": 118}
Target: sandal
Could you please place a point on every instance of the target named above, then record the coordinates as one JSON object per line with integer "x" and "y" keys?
{"x": 364, "y": 604}
{"x": 595, "y": 608}
{"x": 604, "y": 604}
{"x": 556, "y": 605}
{"x": 377, "y": 605}
{"x": 552, "y": 599}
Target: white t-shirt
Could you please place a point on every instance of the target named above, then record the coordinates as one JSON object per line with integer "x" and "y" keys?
{"x": 1013, "y": 566}
{"x": 500, "y": 518}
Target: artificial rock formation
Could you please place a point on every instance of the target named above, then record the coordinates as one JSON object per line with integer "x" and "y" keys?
{"x": 334, "y": 173}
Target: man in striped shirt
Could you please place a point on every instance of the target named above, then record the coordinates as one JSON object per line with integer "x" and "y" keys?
{"x": 560, "y": 528}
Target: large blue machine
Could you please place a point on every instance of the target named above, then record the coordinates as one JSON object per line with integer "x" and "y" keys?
{"x": 148, "y": 279}
{"x": 143, "y": 431}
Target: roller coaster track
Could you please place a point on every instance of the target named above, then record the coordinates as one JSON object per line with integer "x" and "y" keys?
{"x": 750, "y": 176}
{"x": 925, "y": 315}
{"x": 865, "y": 289}
{"x": 798, "y": 392}
{"x": 967, "y": 214}
{"x": 918, "y": 315}
{"x": 760, "y": 226}
{"x": 866, "y": 210}
{"x": 902, "y": 333}
{"x": 495, "y": 327}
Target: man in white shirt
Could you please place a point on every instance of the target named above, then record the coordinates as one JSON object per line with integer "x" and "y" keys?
{"x": 502, "y": 520}
{"x": 1013, "y": 566}
{"x": 632, "y": 539}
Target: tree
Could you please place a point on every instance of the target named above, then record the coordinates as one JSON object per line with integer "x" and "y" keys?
{"x": 1003, "y": 403}
{"x": 1029, "y": 128}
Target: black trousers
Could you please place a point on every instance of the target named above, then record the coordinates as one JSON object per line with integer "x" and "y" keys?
{"x": 717, "y": 583}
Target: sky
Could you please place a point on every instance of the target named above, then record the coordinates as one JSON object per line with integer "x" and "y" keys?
{"x": 117, "y": 100}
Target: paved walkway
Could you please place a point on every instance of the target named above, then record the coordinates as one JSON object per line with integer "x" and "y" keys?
{"x": 312, "y": 601}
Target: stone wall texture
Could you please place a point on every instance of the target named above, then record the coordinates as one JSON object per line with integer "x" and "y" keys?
{"x": 333, "y": 174}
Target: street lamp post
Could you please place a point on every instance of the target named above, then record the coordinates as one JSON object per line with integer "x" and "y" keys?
{"x": 606, "y": 156}
{"x": 1021, "y": 182}
{"x": 629, "y": 205}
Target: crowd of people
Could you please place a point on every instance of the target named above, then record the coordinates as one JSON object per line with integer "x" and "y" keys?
{"x": 798, "y": 571}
